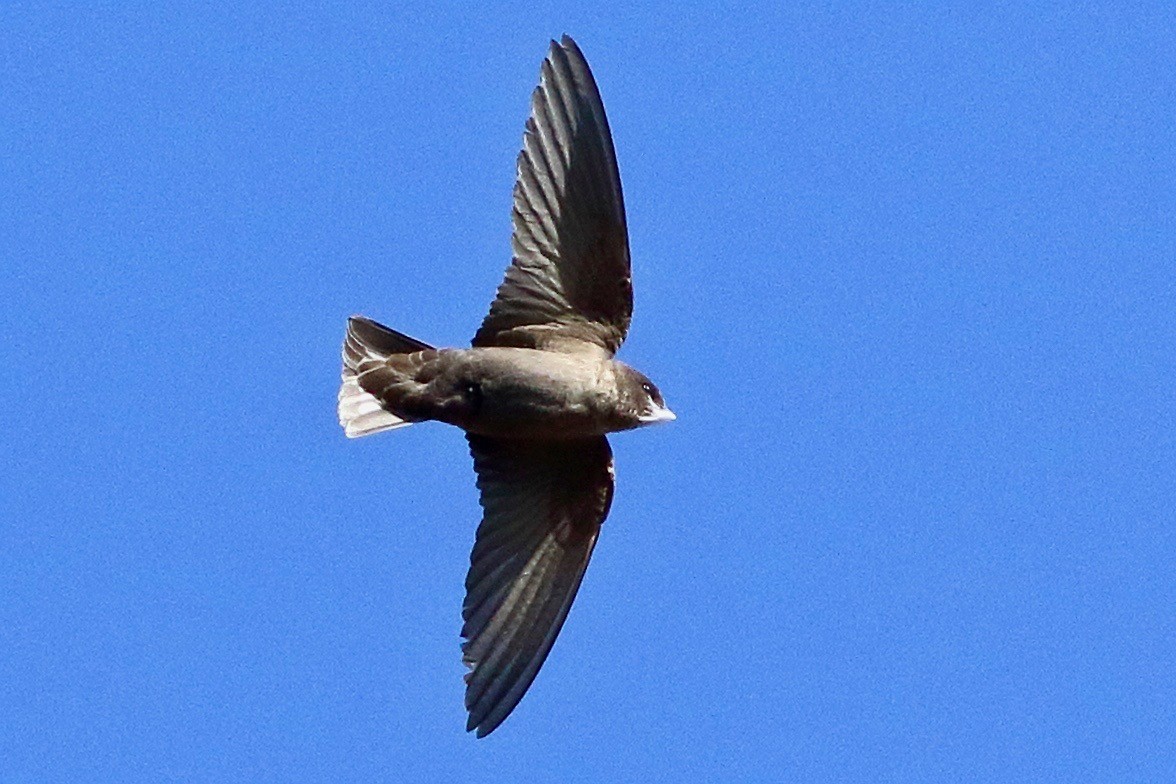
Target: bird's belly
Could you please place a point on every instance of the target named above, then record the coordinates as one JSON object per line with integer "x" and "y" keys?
{"x": 524, "y": 394}
{"x": 525, "y": 411}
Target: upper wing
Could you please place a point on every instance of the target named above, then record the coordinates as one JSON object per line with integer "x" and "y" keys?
{"x": 543, "y": 505}
{"x": 569, "y": 283}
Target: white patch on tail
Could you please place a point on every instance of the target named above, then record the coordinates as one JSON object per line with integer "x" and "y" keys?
{"x": 360, "y": 412}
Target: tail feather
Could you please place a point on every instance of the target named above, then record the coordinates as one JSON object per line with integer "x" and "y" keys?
{"x": 380, "y": 339}
{"x": 366, "y": 345}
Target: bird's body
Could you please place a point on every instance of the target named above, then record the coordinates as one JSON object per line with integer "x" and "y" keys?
{"x": 536, "y": 393}
{"x": 513, "y": 393}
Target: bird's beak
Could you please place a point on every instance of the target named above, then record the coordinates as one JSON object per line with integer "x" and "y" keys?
{"x": 659, "y": 414}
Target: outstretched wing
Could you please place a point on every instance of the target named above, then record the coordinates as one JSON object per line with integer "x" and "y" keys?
{"x": 568, "y": 287}
{"x": 543, "y": 504}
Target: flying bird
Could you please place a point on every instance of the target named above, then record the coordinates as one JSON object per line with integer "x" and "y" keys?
{"x": 536, "y": 393}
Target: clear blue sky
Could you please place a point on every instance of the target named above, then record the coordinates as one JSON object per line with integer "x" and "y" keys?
{"x": 908, "y": 279}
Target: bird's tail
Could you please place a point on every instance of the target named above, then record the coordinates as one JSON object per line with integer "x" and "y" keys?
{"x": 366, "y": 347}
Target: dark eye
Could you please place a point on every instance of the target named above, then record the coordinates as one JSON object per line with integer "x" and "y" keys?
{"x": 648, "y": 388}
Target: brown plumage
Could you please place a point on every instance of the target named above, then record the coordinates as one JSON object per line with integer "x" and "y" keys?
{"x": 537, "y": 392}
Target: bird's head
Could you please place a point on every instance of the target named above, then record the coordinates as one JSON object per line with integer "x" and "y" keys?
{"x": 641, "y": 399}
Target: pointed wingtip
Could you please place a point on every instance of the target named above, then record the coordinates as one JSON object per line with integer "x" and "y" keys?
{"x": 486, "y": 724}
{"x": 481, "y": 729}
{"x": 566, "y": 45}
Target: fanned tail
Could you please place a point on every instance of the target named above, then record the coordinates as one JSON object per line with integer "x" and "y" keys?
{"x": 367, "y": 345}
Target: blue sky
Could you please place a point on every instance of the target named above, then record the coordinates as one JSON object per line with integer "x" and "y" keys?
{"x": 905, "y": 275}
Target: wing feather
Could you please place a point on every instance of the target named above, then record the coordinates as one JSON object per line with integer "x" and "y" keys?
{"x": 543, "y": 504}
{"x": 569, "y": 285}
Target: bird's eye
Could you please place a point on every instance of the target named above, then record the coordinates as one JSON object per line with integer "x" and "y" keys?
{"x": 648, "y": 388}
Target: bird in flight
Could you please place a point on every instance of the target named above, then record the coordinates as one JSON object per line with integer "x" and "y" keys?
{"x": 536, "y": 393}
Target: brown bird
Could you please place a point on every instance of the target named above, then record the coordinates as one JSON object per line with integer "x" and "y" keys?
{"x": 537, "y": 392}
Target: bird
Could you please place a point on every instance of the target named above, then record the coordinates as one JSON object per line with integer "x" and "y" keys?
{"x": 536, "y": 393}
